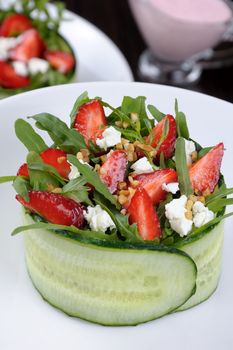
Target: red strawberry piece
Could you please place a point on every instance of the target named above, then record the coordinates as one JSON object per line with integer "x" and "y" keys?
{"x": 14, "y": 25}
{"x": 113, "y": 170}
{"x": 168, "y": 145}
{"x": 10, "y": 79}
{"x": 23, "y": 170}
{"x": 58, "y": 159}
{"x": 64, "y": 62}
{"x": 30, "y": 46}
{"x": 204, "y": 174}
{"x": 90, "y": 120}
{"x": 152, "y": 183}
{"x": 55, "y": 208}
{"x": 142, "y": 212}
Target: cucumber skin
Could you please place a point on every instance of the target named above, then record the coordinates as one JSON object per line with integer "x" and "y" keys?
{"x": 207, "y": 253}
{"x": 42, "y": 252}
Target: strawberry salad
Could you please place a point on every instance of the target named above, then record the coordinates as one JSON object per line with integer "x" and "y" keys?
{"x": 134, "y": 175}
{"x": 32, "y": 52}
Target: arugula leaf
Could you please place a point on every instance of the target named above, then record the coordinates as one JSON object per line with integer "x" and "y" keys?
{"x": 22, "y": 186}
{"x": 40, "y": 180}
{"x": 219, "y": 204}
{"x": 82, "y": 99}
{"x": 181, "y": 168}
{"x": 75, "y": 184}
{"x": 203, "y": 152}
{"x": 162, "y": 164}
{"x": 76, "y": 190}
{"x": 26, "y": 134}
{"x": 4, "y": 179}
{"x": 220, "y": 192}
{"x": 48, "y": 169}
{"x": 127, "y": 231}
{"x": 93, "y": 178}
{"x": 69, "y": 140}
{"x": 181, "y": 123}
{"x": 80, "y": 196}
{"x": 155, "y": 113}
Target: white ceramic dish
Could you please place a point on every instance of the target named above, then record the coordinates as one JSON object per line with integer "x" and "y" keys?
{"x": 28, "y": 322}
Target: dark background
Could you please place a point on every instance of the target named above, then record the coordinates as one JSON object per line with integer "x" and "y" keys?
{"x": 115, "y": 19}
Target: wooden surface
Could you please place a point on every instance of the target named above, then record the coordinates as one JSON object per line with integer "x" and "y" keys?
{"x": 115, "y": 19}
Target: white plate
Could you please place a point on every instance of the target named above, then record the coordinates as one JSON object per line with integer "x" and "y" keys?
{"x": 28, "y": 322}
{"x": 99, "y": 59}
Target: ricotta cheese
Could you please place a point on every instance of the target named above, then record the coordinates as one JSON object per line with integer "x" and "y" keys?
{"x": 74, "y": 173}
{"x": 142, "y": 166}
{"x": 37, "y": 65}
{"x": 6, "y": 44}
{"x": 201, "y": 214}
{"x": 98, "y": 219}
{"x": 111, "y": 137}
{"x": 189, "y": 149}
{"x": 172, "y": 187}
{"x": 175, "y": 212}
{"x": 20, "y": 68}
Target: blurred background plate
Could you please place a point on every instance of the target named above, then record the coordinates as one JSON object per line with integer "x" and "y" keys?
{"x": 97, "y": 56}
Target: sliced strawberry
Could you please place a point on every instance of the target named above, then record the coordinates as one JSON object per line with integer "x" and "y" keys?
{"x": 55, "y": 208}
{"x": 204, "y": 174}
{"x": 23, "y": 170}
{"x": 58, "y": 159}
{"x": 31, "y": 45}
{"x": 64, "y": 62}
{"x": 142, "y": 212}
{"x": 10, "y": 79}
{"x": 14, "y": 25}
{"x": 113, "y": 170}
{"x": 152, "y": 183}
{"x": 54, "y": 157}
{"x": 90, "y": 119}
{"x": 168, "y": 145}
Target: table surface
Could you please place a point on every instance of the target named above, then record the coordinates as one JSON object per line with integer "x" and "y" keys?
{"x": 115, "y": 19}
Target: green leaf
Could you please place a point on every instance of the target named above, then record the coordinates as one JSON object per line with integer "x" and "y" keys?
{"x": 48, "y": 169}
{"x": 181, "y": 168}
{"x": 75, "y": 184}
{"x": 220, "y": 192}
{"x": 26, "y": 134}
{"x": 4, "y": 179}
{"x": 40, "y": 180}
{"x": 82, "y": 99}
{"x": 219, "y": 204}
{"x": 127, "y": 231}
{"x": 80, "y": 196}
{"x": 181, "y": 123}
{"x": 203, "y": 152}
{"x": 93, "y": 178}
{"x": 22, "y": 186}
{"x": 70, "y": 140}
{"x": 76, "y": 190}
{"x": 155, "y": 113}
{"x": 162, "y": 164}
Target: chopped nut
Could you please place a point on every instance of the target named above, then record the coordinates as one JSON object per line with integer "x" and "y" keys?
{"x": 189, "y": 215}
{"x": 115, "y": 196}
{"x": 194, "y": 156}
{"x": 131, "y": 191}
{"x": 189, "y": 204}
{"x": 144, "y": 147}
{"x": 201, "y": 199}
{"x": 130, "y": 147}
{"x": 206, "y": 193}
{"x": 124, "y": 193}
{"x": 122, "y": 199}
{"x": 79, "y": 155}
{"x": 134, "y": 117}
{"x": 61, "y": 159}
{"x": 122, "y": 185}
{"x": 123, "y": 211}
{"x": 126, "y": 145}
{"x": 102, "y": 171}
{"x": 125, "y": 125}
{"x": 119, "y": 146}
{"x": 97, "y": 167}
{"x": 130, "y": 156}
{"x": 118, "y": 123}
{"x": 85, "y": 153}
{"x": 50, "y": 187}
{"x": 135, "y": 156}
{"x": 193, "y": 198}
{"x": 57, "y": 190}
{"x": 103, "y": 158}
{"x": 124, "y": 141}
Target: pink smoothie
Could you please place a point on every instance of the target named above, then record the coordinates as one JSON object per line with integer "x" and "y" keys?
{"x": 177, "y": 29}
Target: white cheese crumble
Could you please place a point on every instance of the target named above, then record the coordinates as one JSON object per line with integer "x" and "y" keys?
{"x": 172, "y": 187}
{"x": 74, "y": 173}
{"x": 201, "y": 214}
{"x": 111, "y": 137}
{"x": 189, "y": 149}
{"x": 37, "y": 65}
{"x": 6, "y": 44}
{"x": 20, "y": 68}
{"x": 175, "y": 212}
{"x": 142, "y": 166}
{"x": 98, "y": 219}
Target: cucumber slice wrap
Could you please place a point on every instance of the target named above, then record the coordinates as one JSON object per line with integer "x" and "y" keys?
{"x": 108, "y": 285}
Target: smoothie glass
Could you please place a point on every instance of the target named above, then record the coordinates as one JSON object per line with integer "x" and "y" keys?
{"x": 179, "y": 33}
